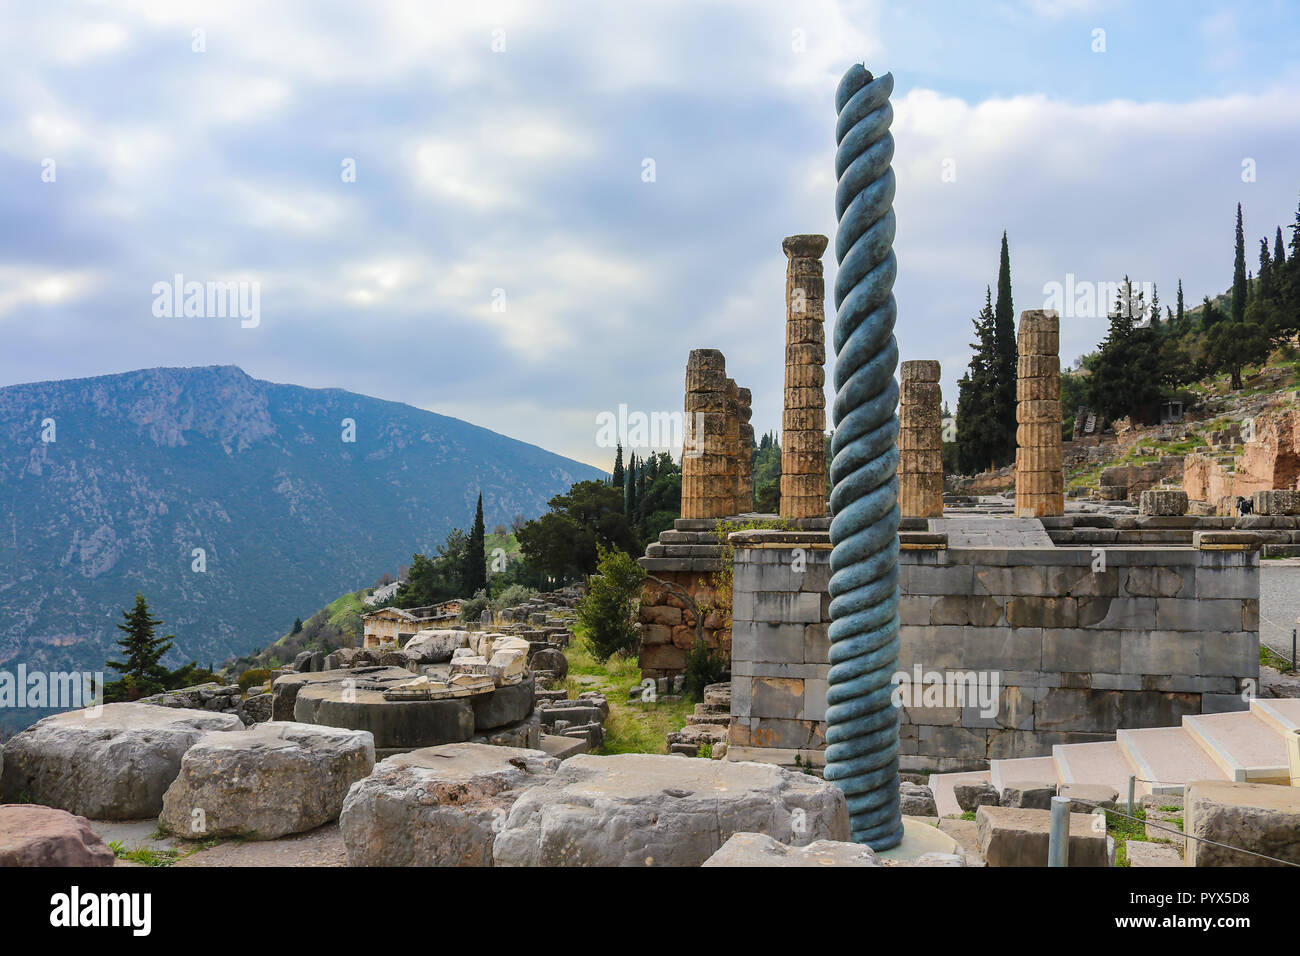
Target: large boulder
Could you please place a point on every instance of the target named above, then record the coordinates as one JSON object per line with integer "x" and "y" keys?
{"x": 431, "y": 646}
{"x": 758, "y": 849}
{"x": 655, "y": 810}
{"x": 1261, "y": 817}
{"x": 43, "y": 836}
{"x": 109, "y": 763}
{"x": 440, "y": 806}
{"x": 265, "y": 782}
{"x": 1010, "y": 836}
{"x": 552, "y": 660}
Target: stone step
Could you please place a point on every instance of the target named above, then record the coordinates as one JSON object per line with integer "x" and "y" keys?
{"x": 1006, "y": 773}
{"x": 1103, "y": 762}
{"x": 1282, "y": 713}
{"x": 1166, "y": 758}
{"x": 942, "y": 785}
{"x": 1247, "y": 749}
{"x": 564, "y": 747}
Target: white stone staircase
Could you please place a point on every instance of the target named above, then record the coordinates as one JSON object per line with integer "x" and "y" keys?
{"x": 1245, "y": 746}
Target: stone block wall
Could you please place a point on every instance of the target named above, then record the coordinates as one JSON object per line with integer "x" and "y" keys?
{"x": 1076, "y": 650}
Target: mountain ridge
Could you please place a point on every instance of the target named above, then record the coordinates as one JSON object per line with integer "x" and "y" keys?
{"x": 288, "y": 505}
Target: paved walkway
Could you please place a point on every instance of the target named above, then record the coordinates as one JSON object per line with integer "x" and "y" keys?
{"x": 1279, "y": 602}
{"x": 986, "y": 531}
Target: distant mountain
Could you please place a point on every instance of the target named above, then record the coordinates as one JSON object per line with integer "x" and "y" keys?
{"x": 145, "y": 467}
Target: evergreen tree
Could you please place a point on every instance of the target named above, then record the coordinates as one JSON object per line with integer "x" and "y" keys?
{"x": 297, "y": 626}
{"x": 631, "y": 486}
{"x": 1125, "y": 378}
{"x": 1180, "y": 324}
{"x": 1265, "y": 270}
{"x": 1239, "y": 286}
{"x": 142, "y": 671}
{"x": 1154, "y": 308}
{"x": 476, "y": 556}
{"x": 978, "y": 434}
{"x": 1003, "y": 420}
{"x": 617, "y": 480}
{"x": 1279, "y": 256}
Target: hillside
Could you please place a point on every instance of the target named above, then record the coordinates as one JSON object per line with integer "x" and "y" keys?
{"x": 147, "y": 466}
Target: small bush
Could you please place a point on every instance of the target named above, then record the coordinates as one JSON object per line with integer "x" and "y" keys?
{"x": 704, "y": 666}
{"x": 254, "y": 678}
{"x": 607, "y": 610}
{"x": 473, "y": 609}
{"x": 513, "y": 596}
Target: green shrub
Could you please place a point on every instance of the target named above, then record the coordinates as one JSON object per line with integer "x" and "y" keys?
{"x": 607, "y": 610}
{"x": 513, "y": 596}
{"x": 704, "y": 666}
{"x": 472, "y": 610}
{"x": 254, "y": 678}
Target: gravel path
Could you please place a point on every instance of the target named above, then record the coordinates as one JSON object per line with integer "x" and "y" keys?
{"x": 320, "y": 847}
{"x": 1279, "y": 602}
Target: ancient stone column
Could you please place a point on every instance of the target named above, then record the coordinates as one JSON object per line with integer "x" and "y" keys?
{"x": 745, "y": 486}
{"x": 733, "y": 448}
{"x": 803, "y": 425}
{"x": 920, "y": 441}
{"x": 1040, "y": 482}
{"x": 705, "y": 489}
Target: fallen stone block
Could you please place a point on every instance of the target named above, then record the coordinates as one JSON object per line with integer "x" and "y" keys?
{"x": 549, "y": 659}
{"x": 433, "y": 646}
{"x": 440, "y": 806}
{"x": 972, "y": 796}
{"x": 656, "y": 810}
{"x": 758, "y": 849}
{"x": 1086, "y": 797}
{"x": 1261, "y": 817}
{"x": 32, "y": 835}
{"x": 916, "y": 800}
{"x": 1029, "y": 796}
{"x": 1018, "y": 837}
{"x": 266, "y": 782}
{"x": 108, "y": 763}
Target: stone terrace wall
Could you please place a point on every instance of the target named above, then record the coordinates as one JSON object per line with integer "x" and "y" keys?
{"x": 1078, "y": 654}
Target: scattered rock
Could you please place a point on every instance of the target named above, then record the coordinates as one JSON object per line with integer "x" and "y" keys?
{"x": 440, "y": 806}
{"x": 255, "y": 709}
{"x": 758, "y": 849}
{"x": 1255, "y": 816}
{"x": 1142, "y": 854}
{"x": 916, "y": 800}
{"x": 108, "y": 763}
{"x": 1029, "y": 796}
{"x": 666, "y": 811}
{"x": 551, "y": 660}
{"x": 1087, "y": 797}
{"x": 44, "y": 836}
{"x": 972, "y": 796}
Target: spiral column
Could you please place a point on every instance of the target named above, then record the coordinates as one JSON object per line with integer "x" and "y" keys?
{"x": 861, "y": 720}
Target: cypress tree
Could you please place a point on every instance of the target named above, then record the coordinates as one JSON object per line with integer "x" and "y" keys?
{"x": 1155, "y": 308}
{"x": 1003, "y": 437}
{"x": 1180, "y": 315}
{"x": 1239, "y": 286}
{"x": 142, "y": 671}
{"x": 631, "y": 486}
{"x": 617, "y": 480}
{"x": 476, "y": 558}
{"x": 1279, "y": 256}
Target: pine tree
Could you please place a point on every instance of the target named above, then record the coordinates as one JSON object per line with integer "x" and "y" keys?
{"x": 617, "y": 480}
{"x": 1265, "y": 270}
{"x": 142, "y": 671}
{"x": 1239, "y": 286}
{"x": 978, "y": 431}
{"x": 1154, "y": 308}
{"x": 297, "y": 626}
{"x": 476, "y": 554}
{"x": 1003, "y": 437}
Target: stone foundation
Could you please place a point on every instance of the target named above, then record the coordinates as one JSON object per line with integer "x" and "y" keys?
{"x": 1078, "y": 648}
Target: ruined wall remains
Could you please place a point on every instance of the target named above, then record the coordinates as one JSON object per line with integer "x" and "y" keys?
{"x": 745, "y": 485}
{"x": 1077, "y": 651}
{"x": 1269, "y": 461}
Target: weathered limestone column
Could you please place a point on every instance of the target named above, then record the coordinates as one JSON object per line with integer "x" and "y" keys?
{"x": 1040, "y": 482}
{"x": 732, "y": 489}
{"x": 920, "y": 441}
{"x": 803, "y": 425}
{"x": 745, "y": 486}
{"x": 705, "y": 492}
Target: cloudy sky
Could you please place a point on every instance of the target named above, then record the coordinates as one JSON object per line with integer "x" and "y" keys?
{"x": 499, "y": 255}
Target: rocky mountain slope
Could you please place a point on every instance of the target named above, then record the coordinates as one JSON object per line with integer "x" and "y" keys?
{"x": 232, "y": 503}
